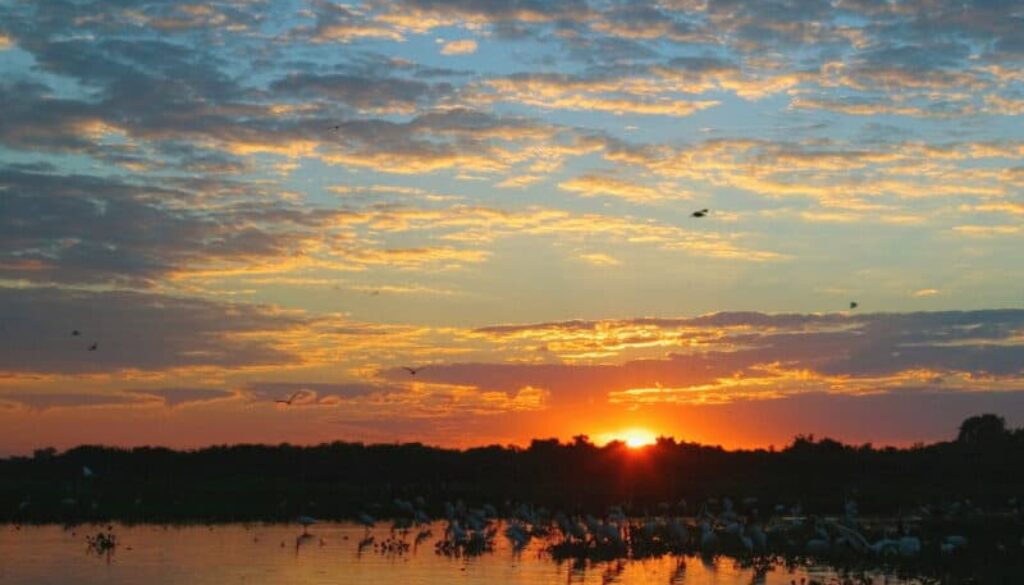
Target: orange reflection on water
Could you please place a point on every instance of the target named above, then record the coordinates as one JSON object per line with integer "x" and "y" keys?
{"x": 273, "y": 554}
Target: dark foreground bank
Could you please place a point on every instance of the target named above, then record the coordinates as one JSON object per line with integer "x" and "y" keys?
{"x": 981, "y": 471}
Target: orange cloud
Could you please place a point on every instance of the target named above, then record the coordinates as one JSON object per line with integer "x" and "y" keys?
{"x": 459, "y": 47}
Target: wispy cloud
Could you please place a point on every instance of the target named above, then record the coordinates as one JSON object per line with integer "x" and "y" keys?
{"x": 598, "y": 259}
{"x": 459, "y": 47}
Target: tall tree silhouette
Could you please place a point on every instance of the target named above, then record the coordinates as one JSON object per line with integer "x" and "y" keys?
{"x": 982, "y": 429}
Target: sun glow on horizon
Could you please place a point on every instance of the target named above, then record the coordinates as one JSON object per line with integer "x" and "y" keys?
{"x": 633, "y": 438}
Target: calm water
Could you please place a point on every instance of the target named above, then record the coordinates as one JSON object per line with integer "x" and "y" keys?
{"x": 267, "y": 554}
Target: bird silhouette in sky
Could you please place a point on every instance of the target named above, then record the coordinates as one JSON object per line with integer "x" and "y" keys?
{"x": 853, "y": 305}
{"x": 94, "y": 347}
{"x": 75, "y": 333}
{"x": 699, "y": 213}
{"x": 288, "y": 402}
{"x": 413, "y": 370}
{"x": 335, "y": 127}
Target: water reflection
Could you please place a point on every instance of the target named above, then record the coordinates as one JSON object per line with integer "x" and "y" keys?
{"x": 337, "y": 553}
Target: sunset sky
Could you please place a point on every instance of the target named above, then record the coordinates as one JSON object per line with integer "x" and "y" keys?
{"x": 242, "y": 200}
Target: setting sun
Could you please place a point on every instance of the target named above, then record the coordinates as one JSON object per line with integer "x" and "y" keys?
{"x": 636, "y": 438}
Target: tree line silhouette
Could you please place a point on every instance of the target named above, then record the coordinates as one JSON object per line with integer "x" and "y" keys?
{"x": 984, "y": 465}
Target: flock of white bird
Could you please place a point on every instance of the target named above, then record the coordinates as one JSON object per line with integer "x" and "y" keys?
{"x": 717, "y": 527}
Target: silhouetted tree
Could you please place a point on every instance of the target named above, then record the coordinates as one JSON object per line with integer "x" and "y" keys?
{"x": 581, "y": 441}
{"x": 44, "y": 453}
{"x": 982, "y": 429}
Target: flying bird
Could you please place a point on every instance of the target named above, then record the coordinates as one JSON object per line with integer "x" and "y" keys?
{"x": 699, "y": 213}
{"x": 413, "y": 370}
{"x": 335, "y": 127}
{"x": 75, "y": 333}
{"x": 94, "y": 347}
{"x": 853, "y": 305}
{"x": 289, "y": 400}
